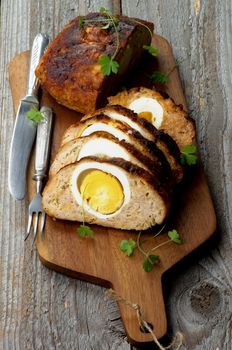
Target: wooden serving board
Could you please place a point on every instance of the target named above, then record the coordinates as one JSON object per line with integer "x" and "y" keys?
{"x": 99, "y": 259}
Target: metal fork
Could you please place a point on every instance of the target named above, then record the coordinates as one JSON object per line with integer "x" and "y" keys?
{"x": 43, "y": 141}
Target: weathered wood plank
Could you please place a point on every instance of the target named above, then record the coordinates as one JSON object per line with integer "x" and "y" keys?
{"x": 199, "y": 32}
{"x": 41, "y": 309}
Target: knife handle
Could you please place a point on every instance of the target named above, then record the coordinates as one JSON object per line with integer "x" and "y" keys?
{"x": 43, "y": 142}
{"x": 39, "y": 45}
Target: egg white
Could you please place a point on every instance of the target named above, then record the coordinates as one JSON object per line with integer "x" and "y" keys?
{"x": 108, "y": 168}
{"x": 104, "y": 127}
{"x": 123, "y": 118}
{"x": 103, "y": 147}
{"x": 148, "y": 104}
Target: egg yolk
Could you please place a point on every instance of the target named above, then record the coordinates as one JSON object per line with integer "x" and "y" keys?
{"x": 146, "y": 115}
{"x": 102, "y": 191}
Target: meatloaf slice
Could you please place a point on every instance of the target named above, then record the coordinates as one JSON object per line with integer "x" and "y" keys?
{"x": 101, "y": 144}
{"x": 123, "y": 132}
{"x": 147, "y": 204}
{"x": 124, "y": 115}
{"x": 174, "y": 120}
{"x": 69, "y": 70}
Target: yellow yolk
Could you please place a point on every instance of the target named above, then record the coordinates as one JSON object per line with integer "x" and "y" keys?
{"x": 102, "y": 191}
{"x": 146, "y": 115}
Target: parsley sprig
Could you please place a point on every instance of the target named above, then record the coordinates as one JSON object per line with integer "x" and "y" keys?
{"x": 158, "y": 77}
{"x": 84, "y": 230}
{"x": 150, "y": 259}
{"x": 189, "y": 155}
{"x": 35, "y": 116}
{"x": 128, "y": 246}
{"x": 151, "y": 49}
{"x": 108, "y": 64}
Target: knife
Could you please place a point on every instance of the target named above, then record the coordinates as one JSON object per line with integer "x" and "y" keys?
{"x": 24, "y": 129}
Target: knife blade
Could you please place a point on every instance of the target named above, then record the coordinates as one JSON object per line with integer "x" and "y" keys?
{"x": 24, "y": 129}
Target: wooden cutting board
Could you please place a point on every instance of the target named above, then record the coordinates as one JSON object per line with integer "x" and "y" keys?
{"x": 99, "y": 259}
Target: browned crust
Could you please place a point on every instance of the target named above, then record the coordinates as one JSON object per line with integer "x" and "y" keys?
{"x": 143, "y": 123}
{"x": 130, "y": 168}
{"x": 153, "y": 166}
{"x": 182, "y": 130}
{"x": 157, "y": 135}
{"x": 69, "y": 69}
{"x": 163, "y": 143}
{"x": 155, "y": 153}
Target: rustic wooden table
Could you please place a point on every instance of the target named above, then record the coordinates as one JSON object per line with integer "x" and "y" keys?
{"x": 41, "y": 309}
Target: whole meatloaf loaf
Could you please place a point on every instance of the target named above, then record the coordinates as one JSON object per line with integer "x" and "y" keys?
{"x": 69, "y": 70}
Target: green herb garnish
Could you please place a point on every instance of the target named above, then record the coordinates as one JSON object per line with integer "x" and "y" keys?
{"x": 108, "y": 65}
{"x": 151, "y": 49}
{"x": 103, "y": 10}
{"x": 128, "y": 246}
{"x": 188, "y": 155}
{"x": 150, "y": 259}
{"x": 159, "y": 78}
{"x": 35, "y": 116}
{"x": 175, "y": 237}
{"x": 81, "y": 21}
{"x": 85, "y": 231}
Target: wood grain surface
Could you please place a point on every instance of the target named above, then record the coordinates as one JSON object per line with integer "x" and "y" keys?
{"x": 63, "y": 251}
{"x": 40, "y": 309}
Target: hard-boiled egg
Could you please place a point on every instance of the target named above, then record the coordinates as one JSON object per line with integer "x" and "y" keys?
{"x": 102, "y": 190}
{"x": 148, "y": 108}
{"x": 104, "y": 147}
{"x": 104, "y": 127}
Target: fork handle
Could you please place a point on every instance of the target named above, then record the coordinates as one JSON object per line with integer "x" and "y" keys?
{"x": 43, "y": 142}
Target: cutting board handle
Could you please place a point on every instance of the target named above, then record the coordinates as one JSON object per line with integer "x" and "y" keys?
{"x": 149, "y": 298}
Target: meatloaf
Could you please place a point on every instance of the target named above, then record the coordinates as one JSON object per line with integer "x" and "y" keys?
{"x": 118, "y": 113}
{"x": 174, "y": 121}
{"x": 69, "y": 70}
{"x": 148, "y": 204}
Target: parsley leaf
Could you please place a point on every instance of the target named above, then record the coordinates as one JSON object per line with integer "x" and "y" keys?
{"x": 128, "y": 246}
{"x": 158, "y": 77}
{"x": 188, "y": 155}
{"x": 108, "y": 66}
{"x": 103, "y": 10}
{"x": 35, "y": 115}
{"x": 175, "y": 237}
{"x": 150, "y": 262}
{"x": 81, "y": 21}
{"x": 151, "y": 49}
{"x": 85, "y": 231}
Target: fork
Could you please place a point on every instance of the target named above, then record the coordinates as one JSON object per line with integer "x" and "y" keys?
{"x": 43, "y": 141}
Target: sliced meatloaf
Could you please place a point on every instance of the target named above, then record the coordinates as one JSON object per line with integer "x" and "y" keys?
{"x": 161, "y": 111}
{"x": 118, "y": 113}
{"x": 146, "y": 204}
{"x": 101, "y": 144}
{"x": 123, "y": 132}
{"x": 69, "y": 69}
